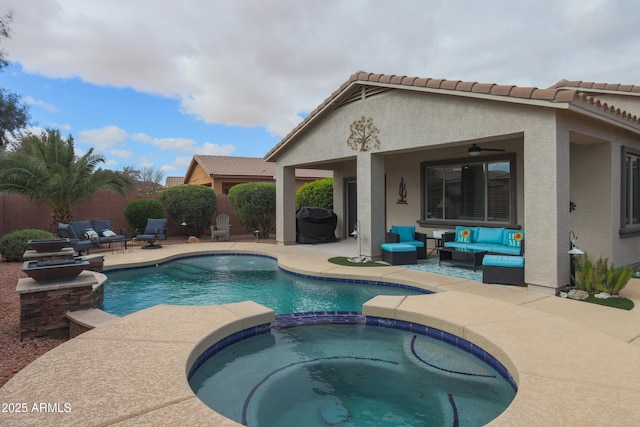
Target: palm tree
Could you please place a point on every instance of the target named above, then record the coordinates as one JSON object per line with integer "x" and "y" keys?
{"x": 46, "y": 169}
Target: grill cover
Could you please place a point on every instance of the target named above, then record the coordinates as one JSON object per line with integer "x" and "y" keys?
{"x": 315, "y": 225}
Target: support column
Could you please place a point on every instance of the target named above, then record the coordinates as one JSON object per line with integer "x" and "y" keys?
{"x": 546, "y": 207}
{"x": 339, "y": 203}
{"x": 285, "y": 205}
{"x": 371, "y": 203}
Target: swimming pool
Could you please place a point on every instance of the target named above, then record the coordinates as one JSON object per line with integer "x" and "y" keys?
{"x": 350, "y": 375}
{"x": 222, "y": 279}
{"x": 283, "y": 390}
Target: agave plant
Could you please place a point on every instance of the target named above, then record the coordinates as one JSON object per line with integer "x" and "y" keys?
{"x": 601, "y": 277}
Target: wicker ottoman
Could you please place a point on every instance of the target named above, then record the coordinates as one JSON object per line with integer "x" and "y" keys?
{"x": 503, "y": 269}
{"x": 399, "y": 253}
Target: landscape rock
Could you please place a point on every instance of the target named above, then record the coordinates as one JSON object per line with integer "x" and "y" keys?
{"x": 603, "y": 295}
{"x": 578, "y": 294}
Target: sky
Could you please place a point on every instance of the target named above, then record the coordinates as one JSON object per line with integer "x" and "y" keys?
{"x": 151, "y": 84}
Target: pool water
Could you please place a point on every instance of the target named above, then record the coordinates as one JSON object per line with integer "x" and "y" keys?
{"x": 223, "y": 279}
{"x": 350, "y": 375}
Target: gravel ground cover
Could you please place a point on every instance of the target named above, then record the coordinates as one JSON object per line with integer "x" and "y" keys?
{"x": 15, "y": 354}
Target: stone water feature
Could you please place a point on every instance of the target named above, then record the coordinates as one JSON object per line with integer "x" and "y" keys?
{"x": 58, "y": 283}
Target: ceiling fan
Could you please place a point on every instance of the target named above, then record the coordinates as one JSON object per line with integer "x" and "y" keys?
{"x": 474, "y": 150}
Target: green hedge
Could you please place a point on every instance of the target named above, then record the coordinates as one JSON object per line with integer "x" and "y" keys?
{"x": 192, "y": 205}
{"x": 13, "y": 245}
{"x": 317, "y": 194}
{"x": 255, "y": 206}
{"x": 138, "y": 211}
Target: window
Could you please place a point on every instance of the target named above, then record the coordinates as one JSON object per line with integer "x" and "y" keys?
{"x": 631, "y": 190}
{"x": 469, "y": 192}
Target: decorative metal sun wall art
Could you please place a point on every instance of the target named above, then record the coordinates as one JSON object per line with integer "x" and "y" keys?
{"x": 363, "y": 135}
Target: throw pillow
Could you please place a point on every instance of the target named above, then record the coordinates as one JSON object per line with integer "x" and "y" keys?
{"x": 463, "y": 234}
{"x": 108, "y": 233}
{"x": 90, "y": 234}
{"x": 513, "y": 238}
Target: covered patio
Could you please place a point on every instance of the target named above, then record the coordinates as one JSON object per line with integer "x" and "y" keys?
{"x": 437, "y": 153}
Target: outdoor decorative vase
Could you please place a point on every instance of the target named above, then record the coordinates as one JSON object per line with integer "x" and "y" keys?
{"x": 48, "y": 245}
{"x": 55, "y": 270}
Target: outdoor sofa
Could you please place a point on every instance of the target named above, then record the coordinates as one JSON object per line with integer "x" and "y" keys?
{"x": 504, "y": 263}
{"x": 499, "y": 240}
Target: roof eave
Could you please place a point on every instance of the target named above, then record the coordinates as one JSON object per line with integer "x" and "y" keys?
{"x": 596, "y": 113}
{"x": 272, "y": 154}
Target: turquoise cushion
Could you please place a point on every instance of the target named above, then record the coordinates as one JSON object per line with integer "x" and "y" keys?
{"x": 455, "y": 245}
{"x": 480, "y": 246}
{"x": 513, "y": 238}
{"x": 506, "y": 250}
{"x": 465, "y": 234}
{"x": 397, "y": 247}
{"x": 503, "y": 261}
{"x": 490, "y": 235}
{"x": 416, "y": 243}
{"x": 407, "y": 233}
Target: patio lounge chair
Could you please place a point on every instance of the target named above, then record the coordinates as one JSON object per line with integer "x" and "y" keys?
{"x": 106, "y": 234}
{"x": 222, "y": 227}
{"x": 78, "y": 244}
{"x": 155, "y": 230}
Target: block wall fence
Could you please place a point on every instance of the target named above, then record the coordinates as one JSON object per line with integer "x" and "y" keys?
{"x": 18, "y": 212}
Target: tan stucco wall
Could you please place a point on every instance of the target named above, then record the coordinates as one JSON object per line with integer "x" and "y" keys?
{"x": 416, "y": 127}
{"x": 199, "y": 176}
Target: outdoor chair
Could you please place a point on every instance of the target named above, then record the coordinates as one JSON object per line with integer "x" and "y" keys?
{"x": 155, "y": 230}
{"x": 106, "y": 235}
{"x": 80, "y": 245}
{"x": 408, "y": 235}
{"x": 222, "y": 227}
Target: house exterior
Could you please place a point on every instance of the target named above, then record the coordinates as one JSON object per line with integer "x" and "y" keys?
{"x": 223, "y": 172}
{"x": 439, "y": 153}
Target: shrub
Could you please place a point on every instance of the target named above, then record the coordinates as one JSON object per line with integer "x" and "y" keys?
{"x": 601, "y": 277}
{"x": 255, "y": 206}
{"x": 190, "y": 204}
{"x": 13, "y": 245}
{"x": 316, "y": 194}
{"x": 137, "y": 212}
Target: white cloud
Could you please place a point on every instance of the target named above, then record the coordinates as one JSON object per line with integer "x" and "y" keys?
{"x": 168, "y": 168}
{"x": 259, "y": 63}
{"x": 104, "y": 138}
{"x": 47, "y": 106}
{"x": 181, "y": 144}
{"x": 123, "y": 154}
{"x": 215, "y": 150}
{"x": 141, "y": 137}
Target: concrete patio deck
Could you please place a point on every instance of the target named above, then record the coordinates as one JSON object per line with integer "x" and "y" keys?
{"x": 575, "y": 363}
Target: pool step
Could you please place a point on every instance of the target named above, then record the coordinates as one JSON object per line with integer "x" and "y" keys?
{"x": 84, "y": 320}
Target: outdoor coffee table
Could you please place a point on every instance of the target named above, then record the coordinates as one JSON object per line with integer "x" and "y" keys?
{"x": 470, "y": 257}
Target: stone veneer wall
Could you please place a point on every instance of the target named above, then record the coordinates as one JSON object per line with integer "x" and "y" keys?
{"x": 43, "y": 314}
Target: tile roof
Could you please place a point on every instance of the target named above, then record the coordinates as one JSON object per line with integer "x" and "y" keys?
{"x": 174, "y": 181}
{"x": 247, "y": 166}
{"x": 566, "y": 92}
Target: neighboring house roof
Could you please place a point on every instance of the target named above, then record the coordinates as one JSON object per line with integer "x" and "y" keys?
{"x": 174, "y": 181}
{"x": 577, "y": 96}
{"x": 231, "y": 166}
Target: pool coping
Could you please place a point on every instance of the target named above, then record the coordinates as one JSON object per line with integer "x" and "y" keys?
{"x": 133, "y": 370}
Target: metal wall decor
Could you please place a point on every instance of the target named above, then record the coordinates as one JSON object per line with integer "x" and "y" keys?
{"x": 363, "y": 135}
{"x": 402, "y": 192}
